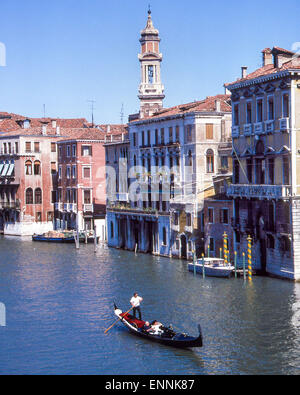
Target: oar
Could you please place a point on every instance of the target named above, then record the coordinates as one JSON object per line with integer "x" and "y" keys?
{"x": 118, "y": 321}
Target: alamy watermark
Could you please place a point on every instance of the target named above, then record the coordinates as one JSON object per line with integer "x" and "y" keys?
{"x": 2, "y": 55}
{"x": 2, "y": 314}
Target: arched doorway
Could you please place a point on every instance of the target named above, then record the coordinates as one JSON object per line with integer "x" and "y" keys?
{"x": 183, "y": 251}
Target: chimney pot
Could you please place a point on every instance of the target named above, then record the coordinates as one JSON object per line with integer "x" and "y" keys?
{"x": 244, "y": 71}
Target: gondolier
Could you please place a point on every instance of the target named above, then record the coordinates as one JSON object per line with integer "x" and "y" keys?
{"x": 136, "y": 304}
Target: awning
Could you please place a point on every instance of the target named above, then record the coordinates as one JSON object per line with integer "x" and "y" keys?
{"x": 1, "y": 167}
{"x": 10, "y": 170}
{"x": 5, "y": 169}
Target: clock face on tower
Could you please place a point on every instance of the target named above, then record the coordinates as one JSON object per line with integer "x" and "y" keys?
{"x": 150, "y": 74}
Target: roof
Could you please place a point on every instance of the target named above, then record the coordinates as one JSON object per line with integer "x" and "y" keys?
{"x": 291, "y": 63}
{"x": 206, "y": 105}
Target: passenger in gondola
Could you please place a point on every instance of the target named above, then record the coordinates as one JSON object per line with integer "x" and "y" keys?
{"x": 156, "y": 328}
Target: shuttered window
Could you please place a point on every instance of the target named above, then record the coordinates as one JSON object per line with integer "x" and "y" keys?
{"x": 209, "y": 131}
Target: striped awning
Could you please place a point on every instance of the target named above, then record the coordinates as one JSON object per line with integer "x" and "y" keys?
{"x": 1, "y": 167}
{"x": 5, "y": 169}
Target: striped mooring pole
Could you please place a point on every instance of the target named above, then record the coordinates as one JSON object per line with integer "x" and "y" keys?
{"x": 235, "y": 264}
{"x": 225, "y": 248}
{"x": 250, "y": 258}
{"x": 244, "y": 267}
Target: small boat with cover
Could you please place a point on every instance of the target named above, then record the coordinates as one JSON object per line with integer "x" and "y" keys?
{"x": 167, "y": 336}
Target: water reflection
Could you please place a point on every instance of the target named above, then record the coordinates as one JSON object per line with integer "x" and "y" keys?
{"x": 59, "y": 302}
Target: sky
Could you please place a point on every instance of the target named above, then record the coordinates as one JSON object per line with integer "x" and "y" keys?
{"x": 64, "y": 53}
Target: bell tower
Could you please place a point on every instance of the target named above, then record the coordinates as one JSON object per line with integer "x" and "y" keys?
{"x": 151, "y": 91}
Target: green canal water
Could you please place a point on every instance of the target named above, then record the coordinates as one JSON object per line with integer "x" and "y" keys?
{"x": 59, "y": 301}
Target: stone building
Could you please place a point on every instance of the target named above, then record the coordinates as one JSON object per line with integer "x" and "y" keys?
{"x": 173, "y": 155}
{"x": 266, "y": 176}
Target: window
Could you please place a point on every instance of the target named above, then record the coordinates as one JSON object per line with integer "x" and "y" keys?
{"x": 236, "y": 173}
{"x": 38, "y": 217}
{"x": 68, "y": 172}
{"x": 171, "y": 135}
{"x": 162, "y": 136}
{"x": 176, "y": 219}
{"x": 74, "y": 196}
{"x": 28, "y": 168}
{"x": 38, "y": 196}
{"x": 210, "y": 167}
{"x": 224, "y": 163}
{"x": 211, "y": 215}
{"x": 59, "y": 172}
{"x": 270, "y": 108}
{"x": 249, "y": 112}
{"x": 177, "y": 134}
{"x": 249, "y": 170}
{"x": 53, "y": 147}
{"x": 60, "y": 151}
{"x": 9, "y": 148}
{"x": 53, "y": 196}
{"x": 74, "y": 171}
{"x": 143, "y": 139}
{"x": 29, "y": 196}
{"x": 73, "y": 150}
{"x": 150, "y": 74}
{"x": 134, "y": 139}
{"x": 190, "y": 159}
{"x": 156, "y": 137}
{"x": 86, "y": 150}
{"x": 212, "y": 244}
{"x": 209, "y": 131}
{"x": 236, "y": 118}
{"x": 189, "y": 135}
{"x": 37, "y": 147}
{"x": 37, "y": 168}
{"x": 224, "y": 216}
{"x": 86, "y": 172}
{"x": 28, "y": 146}
{"x": 16, "y": 147}
{"x": 259, "y": 110}
{"x": 53, "y": 168}
{"x": 285, "y": 106}
{"x": 271, "y": 171}
{"x": 87, "y": 197}
{"x": 50, "y": 216}
{"x": 112, "y": 230}
{"x": 68, "y": 151}
{"x": 164, "y": 236}
{"x": 286, "y": 170}
{"x": 148, "y": 137}
{"x": 189, "y": 219}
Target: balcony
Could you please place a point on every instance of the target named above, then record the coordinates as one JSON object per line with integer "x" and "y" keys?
{"x": 235, "y": 131}
{"x": 73, "y": 207}
{"x": 284, "y": 124}
{"x": 258, "y": 128}
{"x": 269, "y": 126}
{"x": 123, "y": 197}
{"x": 247, "y": 129}
{"x": 88, "y": 208}
{"x": 260, "y": 191}
{"x": 58, "y": 206}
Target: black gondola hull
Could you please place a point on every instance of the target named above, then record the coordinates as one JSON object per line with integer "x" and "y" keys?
{"x": 178, "y": 341}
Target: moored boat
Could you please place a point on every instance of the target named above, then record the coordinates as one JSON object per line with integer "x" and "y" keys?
{"x": 213, "y": 267}
{"x": 167, "y": 336}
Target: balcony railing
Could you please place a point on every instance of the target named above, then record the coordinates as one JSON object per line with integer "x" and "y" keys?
{"x": 259, "y": 191}
{"x": 235, "y": 131}
{"x": 269, "y": 126}
{"x": 247, "y": 129}
{"x": 88, "y": 208}
{"x": 123, "y": 197}
{"x": 284, "y": 124}
{"x": 258, "y": 128}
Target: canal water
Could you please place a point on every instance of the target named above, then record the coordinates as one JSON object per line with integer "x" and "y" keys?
{"x": 59, "y": 302}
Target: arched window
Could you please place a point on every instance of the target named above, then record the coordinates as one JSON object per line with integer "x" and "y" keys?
{"x": 37, "y": 168}
{"x": 210, "y": 161}
{"x": 28, "y": 168}
{"x": 29, "y": 196}
{"x": 38, "y": 196}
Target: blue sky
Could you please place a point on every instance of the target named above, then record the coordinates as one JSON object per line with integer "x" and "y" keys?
{"x": 62, "y": 53}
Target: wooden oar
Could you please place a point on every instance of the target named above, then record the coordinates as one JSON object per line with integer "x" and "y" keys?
{"x": 118, "y": 320}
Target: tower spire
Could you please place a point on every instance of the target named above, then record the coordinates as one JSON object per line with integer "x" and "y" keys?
{"x": 151, "y": 91}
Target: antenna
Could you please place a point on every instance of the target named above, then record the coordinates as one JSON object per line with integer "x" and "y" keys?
{"x": 44, "y": 107}
{"x": 92, "y": 102}
{"x": 122, "y": 114}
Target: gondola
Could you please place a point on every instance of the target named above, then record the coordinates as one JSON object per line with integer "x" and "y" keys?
{"x": 168, "y": 337}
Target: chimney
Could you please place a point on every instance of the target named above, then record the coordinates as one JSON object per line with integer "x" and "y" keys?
{"x": 44, "y": 130}
{"x": 108, "y": 128}
{"x": 244, "y": 71}
{"x": 57, "y": 131}
{"x": 53, "y": 123}
{"x": 267, "y": 57}
{"x": 217, "y": 105}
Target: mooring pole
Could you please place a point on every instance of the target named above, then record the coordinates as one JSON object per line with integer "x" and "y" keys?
{"x": 208, "y": 251}
{"x": 95, "y": 239}
{"x": 225, "y": 249}
{"x": 203, "y": 266}
{"x": 235, "y": 264}
{"x": 250, "y": 258}
{"x": 221, "y": 255}
{"x": 77, "y": 239}
{"x": 194, "y": 262}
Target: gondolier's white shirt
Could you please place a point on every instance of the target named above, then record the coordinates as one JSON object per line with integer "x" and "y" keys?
{"x": 136, "y": 302}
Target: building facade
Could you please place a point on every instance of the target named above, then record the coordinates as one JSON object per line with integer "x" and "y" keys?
{"x": 173, "y": 156}
{"x": 266, "y": 177}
